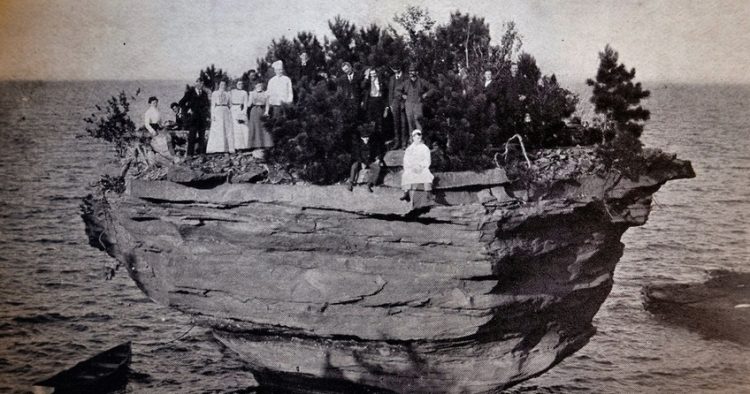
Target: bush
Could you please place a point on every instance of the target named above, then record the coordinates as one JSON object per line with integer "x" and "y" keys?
{"x": 112, "y": 123}
{"x": 309, "y": 138}
{"x": 463, "y": 122}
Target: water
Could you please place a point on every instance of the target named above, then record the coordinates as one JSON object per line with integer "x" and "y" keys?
{"x": 56, "y": 307}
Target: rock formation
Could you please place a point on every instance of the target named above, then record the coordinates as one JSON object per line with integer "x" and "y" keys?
{"x": 323, "y": 290}
{"x": 718, "y": 308}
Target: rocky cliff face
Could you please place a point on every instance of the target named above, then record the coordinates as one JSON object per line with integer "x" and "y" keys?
{"x": 324, "y": 290}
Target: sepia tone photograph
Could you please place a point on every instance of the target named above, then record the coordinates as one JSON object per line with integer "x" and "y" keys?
{"x": 369, "y": 196}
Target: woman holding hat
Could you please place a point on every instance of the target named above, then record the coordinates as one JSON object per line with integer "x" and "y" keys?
{"x": 416, "y": 165}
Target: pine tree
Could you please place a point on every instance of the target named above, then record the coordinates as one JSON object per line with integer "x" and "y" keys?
{"x": 211, "y": 76}
{"x": 616, "y": 96}
{"x": 465, "y": 122}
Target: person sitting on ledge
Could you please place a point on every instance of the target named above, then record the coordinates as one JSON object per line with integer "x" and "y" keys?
{"x": 367, "y": 152}
{"x": 161, "y": 141}
{"x": 416, "y": 165}
{"x": 179, "y": 118}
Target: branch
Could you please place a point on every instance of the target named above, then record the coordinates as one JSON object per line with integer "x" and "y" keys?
{"x": 523, "y": 149}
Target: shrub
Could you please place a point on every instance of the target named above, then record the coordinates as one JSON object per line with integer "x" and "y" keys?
{"x": 112, "y": 123}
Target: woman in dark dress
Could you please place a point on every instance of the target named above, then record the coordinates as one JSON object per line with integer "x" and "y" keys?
{"x": 260, "y": 138}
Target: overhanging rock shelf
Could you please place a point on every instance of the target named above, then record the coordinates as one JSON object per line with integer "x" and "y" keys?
{"x": 322, "y": 289}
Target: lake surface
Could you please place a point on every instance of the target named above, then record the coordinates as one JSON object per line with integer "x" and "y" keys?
{"x": 56, "y": 308}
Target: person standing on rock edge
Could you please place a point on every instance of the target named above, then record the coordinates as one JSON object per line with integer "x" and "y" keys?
{"x": 196, "y": 106}
{"x": 414, "y": 91}
{"x": 416, "y": 166}
{"x": 239, "y": 98}
{"x": 279, "y": 90}
{"x": 396, "y": 108}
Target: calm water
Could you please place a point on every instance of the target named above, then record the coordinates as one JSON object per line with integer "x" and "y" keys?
{"x": 56, "y": 307}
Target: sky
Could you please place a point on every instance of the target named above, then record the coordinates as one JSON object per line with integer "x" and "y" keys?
{"x": 665, "y": 40}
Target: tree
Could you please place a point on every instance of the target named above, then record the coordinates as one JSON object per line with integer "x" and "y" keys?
{"x": 464, "y": 122}
{"x": 211, "y": 76}
{"x": 616, "y": 96}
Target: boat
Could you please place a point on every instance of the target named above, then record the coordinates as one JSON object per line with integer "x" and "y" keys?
{"x": 488, "y": 282}
{"x": 102, "y": 373}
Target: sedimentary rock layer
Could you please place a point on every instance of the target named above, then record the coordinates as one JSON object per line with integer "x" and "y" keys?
{"x": 321, "y": 289}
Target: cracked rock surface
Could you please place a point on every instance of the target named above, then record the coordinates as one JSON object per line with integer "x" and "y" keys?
{"x": 324, "y": 290}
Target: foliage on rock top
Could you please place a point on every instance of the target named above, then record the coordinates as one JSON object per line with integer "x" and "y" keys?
{"x": 466, "y": 122}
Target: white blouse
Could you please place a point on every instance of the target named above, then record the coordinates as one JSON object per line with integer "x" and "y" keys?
{"x": 152, "y": 115}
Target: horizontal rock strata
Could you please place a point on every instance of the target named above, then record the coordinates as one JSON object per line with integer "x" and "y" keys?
{"x": 324, "y": 290}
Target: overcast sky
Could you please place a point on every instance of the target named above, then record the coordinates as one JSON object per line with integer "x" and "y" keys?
{"x": 675, "y": 40}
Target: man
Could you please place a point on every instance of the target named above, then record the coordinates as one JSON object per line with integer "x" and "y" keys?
{"x": 349, "y": 85}
{"x": 195, "y": 106}
{"x": 374, "y": 99}
{"x": 396, "y": 108}
{"x": 252, "y": 79}
{"x": 179, "y": 118}
{"x": 366, "y": 153}
{"x": 413, "y": 92}
{"x": 511, "y": 104}
{"x": 279, "y": 90}
{"x": 306, "y": 68}
{"x": 492, "y": 94}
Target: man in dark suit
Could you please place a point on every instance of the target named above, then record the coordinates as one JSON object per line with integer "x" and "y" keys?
{"x": 491, "y": 90}
{"x": 374, "y": 92}
{"x": 367, "y": 152}
{"x": 307, "y": 69}
{"x": 196, "y": 106}
{"x": 414, "y": 91}
{"x": 350, "y": 85}
{"x": 396, "y": 108}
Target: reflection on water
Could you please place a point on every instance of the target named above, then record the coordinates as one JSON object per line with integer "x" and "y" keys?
{"x": 56, "y": 308}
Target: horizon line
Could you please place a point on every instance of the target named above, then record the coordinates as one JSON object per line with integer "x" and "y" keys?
{"x": 189, "y": 80}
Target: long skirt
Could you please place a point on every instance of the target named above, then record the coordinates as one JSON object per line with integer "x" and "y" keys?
{"x": 259, "y": 136}
{"x": 221, "y": 134}
{"x": 239, "y": 125}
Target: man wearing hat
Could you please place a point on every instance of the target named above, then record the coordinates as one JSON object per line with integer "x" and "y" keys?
{"x": 413, "y": 91}
{"x": 396, "y": 107}
{"x": 279, "y": 89}
{"x": 196, "y": 106}
{"x": 367, "y": 152}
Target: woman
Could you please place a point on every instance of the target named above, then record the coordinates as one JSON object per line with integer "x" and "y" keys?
{"x": 161, "y": 141}
{"x": 239, "y": 115}
{"x": 259, "y": 107}
{"x": 416, "y": 166}
{"x": 221, "y": 134}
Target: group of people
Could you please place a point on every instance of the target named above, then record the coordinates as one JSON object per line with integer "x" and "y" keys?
{"x": 234, "y": 119}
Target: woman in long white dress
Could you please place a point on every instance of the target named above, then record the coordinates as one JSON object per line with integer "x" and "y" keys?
{"x": 221, "y": 134}
{"x": 416, "y": 165}
{"x": 239, "y": 116}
